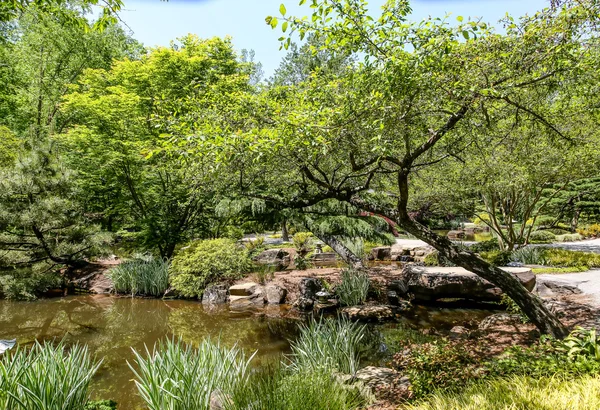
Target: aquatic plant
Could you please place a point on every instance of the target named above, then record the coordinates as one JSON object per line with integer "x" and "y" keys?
{"x": 143, "y": 275}
{"x": 46, "y": 377}
{"x": 328, "y": 344}
{"x": 176, "y": 376}
{"x": 353, "y": 288}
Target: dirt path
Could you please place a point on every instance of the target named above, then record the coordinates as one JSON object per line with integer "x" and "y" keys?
{"x": 587, "y": 282}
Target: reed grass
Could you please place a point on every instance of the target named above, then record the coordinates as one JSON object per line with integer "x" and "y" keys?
{"x": 145, "y": 276}
{"x": 354, "y": 287}
{"x": 176, "y": 376}
{"x": 328, "y": 344}
{"x": 46, "y": 377}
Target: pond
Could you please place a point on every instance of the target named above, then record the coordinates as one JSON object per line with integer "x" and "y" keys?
{"x": 111, "y": 326}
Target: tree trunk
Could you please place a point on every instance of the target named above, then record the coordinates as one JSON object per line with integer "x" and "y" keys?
{"x": 342, "y": 250}
{"x": 285, "y": 236}
{"x": 530, "y": 304}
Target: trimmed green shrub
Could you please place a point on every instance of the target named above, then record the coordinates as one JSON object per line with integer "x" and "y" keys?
{"x": 28, "y": 284}
{"x": 496, "y": 258}
{"x": 566, "y": 258}
{"x": 353, "y": 288}
{"x": 571, "y": 237}
{"x": 143, "y": 275}
{"x": 592, "y": 231}
{"x": 542, "y": 237}
{"x": 46, "y": 377}
{"x": 205, "y": 262}
{"x": 485, "y": 246}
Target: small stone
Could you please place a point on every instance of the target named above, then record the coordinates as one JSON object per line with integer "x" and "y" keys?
{"x": 214, "y": 295}
{"x": 304, "y": 304}
{"x": 459, "y": 332}
{"x": 381, "y": 253}
{"x": 370, "y": 313}
{"x": 275, "y": 294}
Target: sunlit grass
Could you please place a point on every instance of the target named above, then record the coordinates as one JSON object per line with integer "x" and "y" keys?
{"x": 520, "y": 393}
{"x": 141, "y": 276}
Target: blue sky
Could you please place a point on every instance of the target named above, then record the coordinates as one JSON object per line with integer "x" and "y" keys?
{"x": 157, "y": 22}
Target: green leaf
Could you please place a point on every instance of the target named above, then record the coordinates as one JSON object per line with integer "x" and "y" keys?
{"x": 284, "y": 26}
{"x": 282, "y": 9}
{"x": 460, "y": 19}
{"x": 274, "y": 22}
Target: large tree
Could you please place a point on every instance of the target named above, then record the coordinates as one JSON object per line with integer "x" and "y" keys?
{"x": 420, "y": 93}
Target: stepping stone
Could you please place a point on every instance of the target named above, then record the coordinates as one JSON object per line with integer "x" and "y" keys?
{"x": 244, "y": 289}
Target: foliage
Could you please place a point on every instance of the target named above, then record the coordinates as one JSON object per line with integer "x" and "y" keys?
{"x": 101, "y": 405}
{"x": 303, "y": 242}
{"x": 581, "y": 342}
{"x": 28, "y": 284}
{"x": 354, "y": 287}
{"x": 518, "y": 392}
{"x": 542, "y": 237}
{"x": 554, "y": 270}
{"x": 142, "y": 275}
{"x": 530, "y": 255}
{"x": 204, "y": 262}
{"x": 284, "y": 390}
{"x": 301, "y": 263}
{"x": 327, "y": 345}
{"x": 513, "y": 308}
{"x": 592, "y": 231}
{"x": 485, "y": 246}
{"x": 40, "y": 217}
{"x": 199, "y": 372}
{"x": 567, "y": 258}
{"x": 46, "y": 377}
{"x": 571, "y": 237}
{"x": 496, "y": 258}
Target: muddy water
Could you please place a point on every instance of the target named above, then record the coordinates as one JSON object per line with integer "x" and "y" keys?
{"x": 111, "y": 326}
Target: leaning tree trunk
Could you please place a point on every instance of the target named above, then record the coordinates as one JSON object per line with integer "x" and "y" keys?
{"x": 285, "y": 236}
{"x": 530, "y": 304}
{"x": 342, "y": 250}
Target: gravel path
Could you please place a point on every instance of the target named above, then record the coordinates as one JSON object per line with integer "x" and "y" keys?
{"x": 588, "y": 282}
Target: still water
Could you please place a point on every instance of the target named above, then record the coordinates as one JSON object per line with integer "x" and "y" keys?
{"x": 112, "y": 326}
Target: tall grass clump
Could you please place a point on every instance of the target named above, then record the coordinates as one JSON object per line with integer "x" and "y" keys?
{"x": 143, "y": 275}
{"x": 354, "y": 288}
{"x": 46, "y": 377}
{"x": 176, "y": 376}
{"x": 285, "y": 389}
{"x": 519, "y": 392}
{"x": 328, "y": 345}
{"x": 530, "y": 255}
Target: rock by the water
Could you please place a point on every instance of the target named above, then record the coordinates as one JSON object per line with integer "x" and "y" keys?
{"x": 215, "y": 294}
{"x": 278, "y": 258}
{"x": 7, "y": 345}
{"x": 376, "y": 313}
{"x": 374, "y": 377}
{"x": 309, "y": 287}
{"x": 275, "y": 294}
{"x": 243, "y": 289}
{"x": 325, "y": 307}
{"x": 304, "y": 304}
{"x": 433, "y": 283}
{"x": 381, "y": 253}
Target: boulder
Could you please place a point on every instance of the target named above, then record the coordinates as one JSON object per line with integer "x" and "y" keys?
{"x": 278, "y": 258}
{"x": 309, "y": 287}
{"x": 215, "y": 294}
{"x": 304, "y": 304}
{"x": 378, "y": 377}
{"x": 378, "y": 313}
{"x": 243, "y": 289}
{"x": 433, "y": 283}
{"x": 275, "y": 294}
{"x": 459, "y": 332}
{"x": 381, "y": 253}
{"x": 456, "y": 234}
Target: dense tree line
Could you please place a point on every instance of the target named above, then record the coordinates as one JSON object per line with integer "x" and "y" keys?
{"x": 103, "y": 140}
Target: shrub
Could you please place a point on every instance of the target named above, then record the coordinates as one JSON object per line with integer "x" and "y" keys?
{"x": 558, "y": 231}
{"x": 205, "y": 262}
{"x": 234, "y": 233}
{"x": 326, "y": 345}
{"x": 46, "y": 377}
{"x": 432, "y": 259}
{"x": 255, "y": 246}
{"x": 571, "y": 237}
{"x": 143, "y": 275}
{"x": 101, "y": 405}
{"x": 496, "y": 258}
{"x": 303, "y": 242}
{"x": 176, "y": 376}
{"x": 485, "y": 246}
{"x": 530, "y": 255}
{"x": 300, "y": 262}
{"x": 581, "y": 342}
{"x": 282, "y": 389}
{"x": 566, "y": 258}
{"x": 542, "y": 237}
{"x": 513, "y": 308}
{"x": 28, "y": 284}
{"x": 592, "y": 231}
{"x": 354, "y": 287}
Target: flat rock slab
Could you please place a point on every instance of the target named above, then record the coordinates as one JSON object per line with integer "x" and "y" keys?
{"x": 378, "y": 313}
{"x": 432, "y": 283}
{"x": 244, "y": 289}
